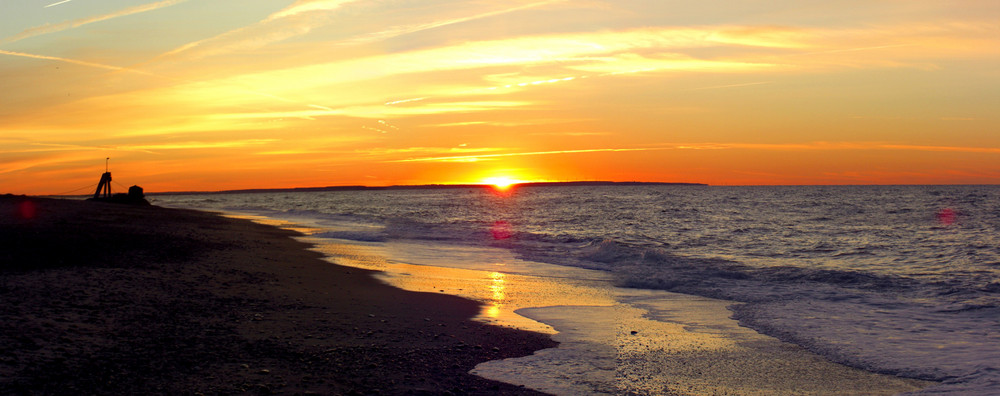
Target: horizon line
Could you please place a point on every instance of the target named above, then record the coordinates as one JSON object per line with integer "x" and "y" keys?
{"x": 358, "y": 187}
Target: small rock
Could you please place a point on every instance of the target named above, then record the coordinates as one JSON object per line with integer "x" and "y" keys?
{"x": 634, "y": 332}
{"x": 264, "y": 371}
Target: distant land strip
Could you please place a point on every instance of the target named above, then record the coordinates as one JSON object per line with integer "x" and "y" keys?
{"x": 428, "y": 187}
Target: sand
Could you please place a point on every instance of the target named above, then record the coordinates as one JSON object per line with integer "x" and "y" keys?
{"x": 101, "y": 298}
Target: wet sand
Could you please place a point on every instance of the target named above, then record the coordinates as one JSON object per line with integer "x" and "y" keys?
{"x": 613, "y": 340}
{"x": 100, "y": 298}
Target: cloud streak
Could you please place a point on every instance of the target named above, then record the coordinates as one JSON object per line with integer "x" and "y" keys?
{"x": 414, "y": 28}
{"x": 57, "y": 3}
{"x": 814, "y": 146}
{"x": 475, "y": 158}
{"x": 279, "y": 26}
{"x": 53, "y": 28}
{"x": 78, "y": 62}
{"x": 838, "y": 146}
{"x": 381, "y": 111}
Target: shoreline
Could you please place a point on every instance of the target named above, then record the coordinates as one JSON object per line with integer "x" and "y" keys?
{"x": 113, "y": 299}
{"x": 612, "y": 340}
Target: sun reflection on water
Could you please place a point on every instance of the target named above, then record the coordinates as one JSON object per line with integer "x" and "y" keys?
{"x": 498, "y": 289}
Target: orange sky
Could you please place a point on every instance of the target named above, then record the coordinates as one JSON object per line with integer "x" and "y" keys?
{"x": 231, "y": 94}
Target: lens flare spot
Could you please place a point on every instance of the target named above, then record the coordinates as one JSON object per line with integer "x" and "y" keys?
{"x": 500, "y": 230}
{"x": 946, "y": 216}
{"x": 26, "y": 210}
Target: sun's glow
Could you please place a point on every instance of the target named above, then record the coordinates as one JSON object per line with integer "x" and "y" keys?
{"x": 501, "y": 182}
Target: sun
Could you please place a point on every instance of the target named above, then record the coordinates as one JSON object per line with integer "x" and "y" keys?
{"x": 501, "y": 182}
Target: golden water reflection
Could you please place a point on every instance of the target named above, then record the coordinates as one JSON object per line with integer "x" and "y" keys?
{"x": 500, "y": 292}
{"x": 497, "y": 287}
{"x": 288, "y": 225}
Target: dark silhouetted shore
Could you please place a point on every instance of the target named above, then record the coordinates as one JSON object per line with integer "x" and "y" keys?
{"x": 101, "y": 298}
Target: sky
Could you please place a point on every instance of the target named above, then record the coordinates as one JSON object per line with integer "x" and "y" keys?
{"x": 186, "y": 95}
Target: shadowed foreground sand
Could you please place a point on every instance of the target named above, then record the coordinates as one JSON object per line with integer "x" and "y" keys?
{"x": 102, "y": 298}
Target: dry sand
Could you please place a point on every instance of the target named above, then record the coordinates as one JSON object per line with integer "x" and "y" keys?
{"x": 99, "y": 298}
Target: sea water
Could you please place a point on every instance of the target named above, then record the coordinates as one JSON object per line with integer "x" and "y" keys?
{"x": 901, "y": 280}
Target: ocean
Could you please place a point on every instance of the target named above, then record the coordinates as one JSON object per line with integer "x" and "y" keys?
{"x": 900, "y": 280}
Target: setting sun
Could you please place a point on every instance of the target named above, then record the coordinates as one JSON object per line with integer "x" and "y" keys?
{"x": 501, "y": 182}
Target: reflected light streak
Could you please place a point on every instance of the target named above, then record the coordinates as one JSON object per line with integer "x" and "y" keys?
{"x": 498, "y": 293}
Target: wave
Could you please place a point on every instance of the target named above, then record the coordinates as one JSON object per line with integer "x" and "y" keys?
{"x": 360, "y": 236}
{"x": 882, "y": 323}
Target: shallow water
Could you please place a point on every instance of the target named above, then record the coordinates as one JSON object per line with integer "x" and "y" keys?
{"x": 901, "y": 280}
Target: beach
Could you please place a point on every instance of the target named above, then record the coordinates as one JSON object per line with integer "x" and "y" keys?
{"x": 612, "y": 340}
{"x": 671, "y": 304}
{"x": 102, "y": 298}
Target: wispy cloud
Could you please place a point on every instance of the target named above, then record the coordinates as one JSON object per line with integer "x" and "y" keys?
{"x": 813, "y": 146}
{"x": 196, "y": 145}
{"x": 146, "y": 147}
{"x": 57, "y": 3}
{"x": 397, "y": 31}
{"x": 78, "y": 62}
{"x": 426, "y": 150}
{"x": 305, "y": 6}
{"x": 957, "y": 149}
{"x": 53, "y": 28}
{"x": 473, "y": 158}
{"x": 381, "y": 111}
{"x": 523, "y": 122}
{"x": 731, "y": 86}
{"x": 572, "y": 57}
{"x": 16, "y": 164}
{"x": 290, "y": 22}
{"x": 605, "y": 52}
{"x": 819, "y": 146}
